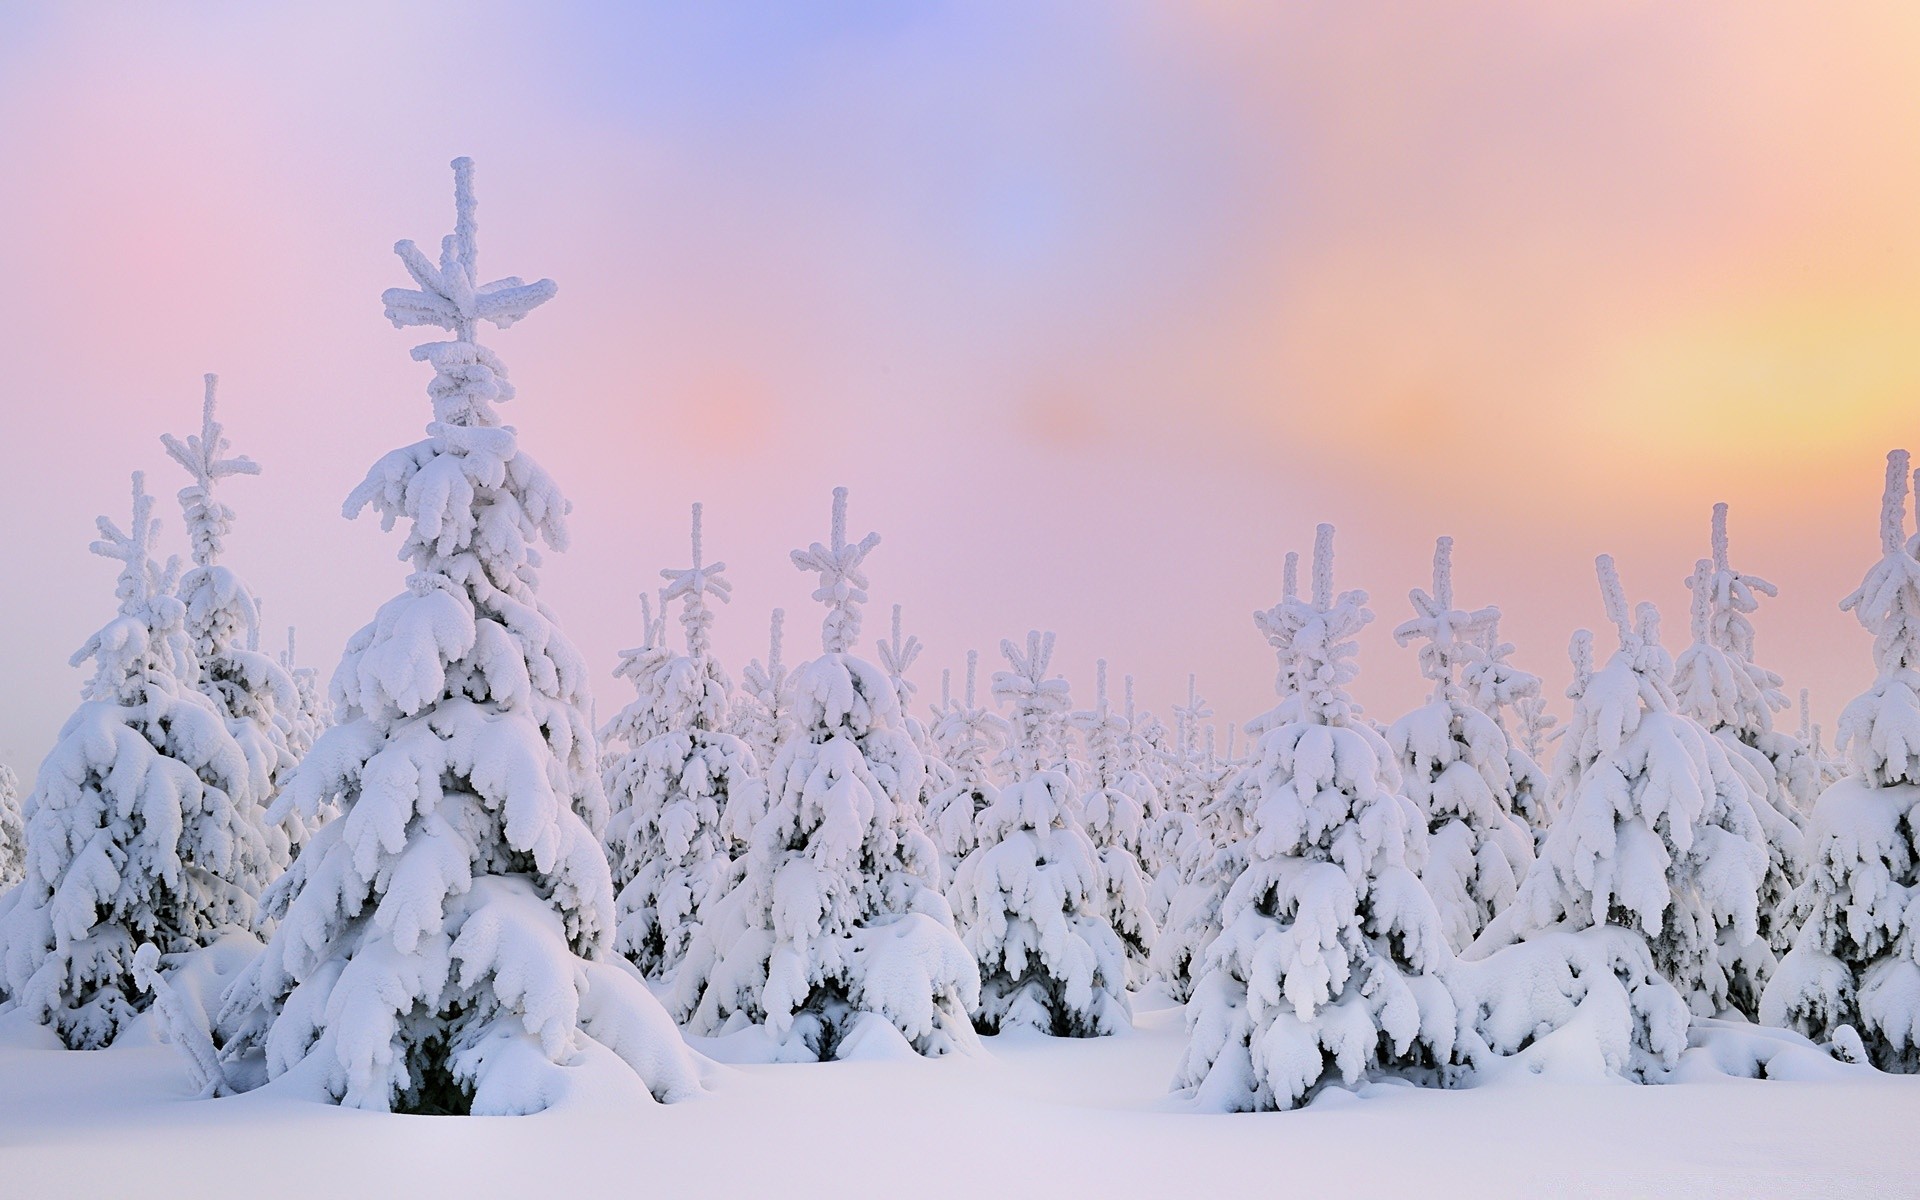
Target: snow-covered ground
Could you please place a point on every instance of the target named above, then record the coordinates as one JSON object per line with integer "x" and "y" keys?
{"x": 1028, "y": 1116}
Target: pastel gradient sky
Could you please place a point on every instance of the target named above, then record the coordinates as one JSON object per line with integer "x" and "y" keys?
{"x": 1097, "y": 308}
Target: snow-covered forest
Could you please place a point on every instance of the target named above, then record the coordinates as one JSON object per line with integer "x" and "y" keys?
{"x": 432, "y": 879}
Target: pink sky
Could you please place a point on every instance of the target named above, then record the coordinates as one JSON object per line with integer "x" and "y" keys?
{"x": 1098, "y": 309}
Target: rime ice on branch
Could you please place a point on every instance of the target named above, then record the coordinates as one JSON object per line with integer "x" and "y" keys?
{"x": 447, "y": 942}
{"x": 1327, "y": 966}
{"x": 1853, "y": 974}
{"x": 131, "y": 835}
{"x": 837, "y": 931}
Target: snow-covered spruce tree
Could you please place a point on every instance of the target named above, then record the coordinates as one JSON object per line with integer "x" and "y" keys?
{"x": 447, "y": 942}
{"x": 1204, "y": 848}
{"x": 1175, "y": 838}
{"x": 131, "y": 835}
{"x": 837, "y": 928}
{"x": 312, "y": 712}
{"x": 1456, "y": 764}
{"x": 1031, "y": 897}
{"x": 1853, "y": 974}
{"x": 1496, "y": 687}
{"x": 670, "y": 771}
{"x": 1326, "y": 969}
{"x": 897, "y": 656}
{"x": 1114, "y": 813}
{"x": 13, "y": 847}
{"x": 1827, "y": 770}
{"x": 968, "y": 737}
{"x": 759, "y": 719}
{"x": 1717, "y": 683}
{"x": 252, "y": 691}
{"x": 1656, "y": 837}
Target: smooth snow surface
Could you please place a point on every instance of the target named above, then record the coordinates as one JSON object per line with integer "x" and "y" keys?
{"x": 1041, "y": 1115}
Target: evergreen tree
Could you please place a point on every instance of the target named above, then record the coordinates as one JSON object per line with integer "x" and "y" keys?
{"x": 1114, "y": 813}
{"x": 13, "y": 847}
{"x": 968, "y": 737}
{"x": 312, "y": 712}
{"x": 760, "y": 721}
{"x": 1457, "y": 766}
{"x": 1030, "y": 897}
{"x": 252, "y": 691}
{"x": 447, "y": 943}
{"x": 670, "y": 772}
{"x": 897, "y": 656}
{"x": 1326, "y": 968}
{"x": 1656, "y": 833}
{"x": 1718, "y": 684}
{"x": 131, "y": 835}
{"x": 837, "y": 925}
{"x": 1496, "y": 687}
{"x": 1853, "y": 974}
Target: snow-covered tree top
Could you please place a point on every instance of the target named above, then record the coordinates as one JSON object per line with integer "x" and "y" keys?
{"x": 1488, "y": 675}
{"x": 149, "y": 626}
{"x": 1721, "y": 615}
{"x": 1187, "y": 718}
{"x": 140, "y": 580}
{"x": 843, "y": 582}
{"x": 1449, "y": 633}
{"x": 1320, "y": 651}
{"x": 1887, "y": 602}
{"x": 693, "y": 585}
{"x": 450, "y": 295}
{"x": 208, "y": 519}
{"x": 896, "y": 656}
{"x": 1038, "y": 704}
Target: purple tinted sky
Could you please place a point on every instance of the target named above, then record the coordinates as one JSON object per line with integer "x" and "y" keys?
{"x": 1097, "y": 308}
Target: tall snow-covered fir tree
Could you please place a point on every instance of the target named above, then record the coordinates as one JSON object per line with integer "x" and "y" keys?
{"x": 1457, "y": 766}
{"x": 1327, "y": 965}
{"x": 1718, "y": 684}
{"x": 131, "y": 833}
{"x": 1853, "y": 974}
{"x": 837, "y": 929}
{"x": 671, "y": 771}
{"x": 251, "y": 689}
{"x": 1114, "y": 813}
{"x": 1031, "y": 896}
{"x": 13, "y": 846}
{"x": 1656, "y": 842}
{"x": 968, "y": 737}
{"x": 447, "y": 942}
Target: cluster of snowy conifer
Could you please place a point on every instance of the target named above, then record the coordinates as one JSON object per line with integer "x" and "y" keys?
{"x": 452, "y": 889}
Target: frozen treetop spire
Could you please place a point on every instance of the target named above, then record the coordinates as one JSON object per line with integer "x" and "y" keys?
{"x": 1887, "y": 602}
{"x": 132, "y": 549}
{"x": 1448, "y": 632}
{"x": 896, "y": 656}
{"x": 693, "y": 585}
{"x": 450, "y": 296}
{"x": 1720, "y": 617}
{"x": 207, "y": 518}
{"x": 843, "y": 582}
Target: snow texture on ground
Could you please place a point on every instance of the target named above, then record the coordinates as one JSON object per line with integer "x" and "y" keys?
{"x": 1029, "y": 1115}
